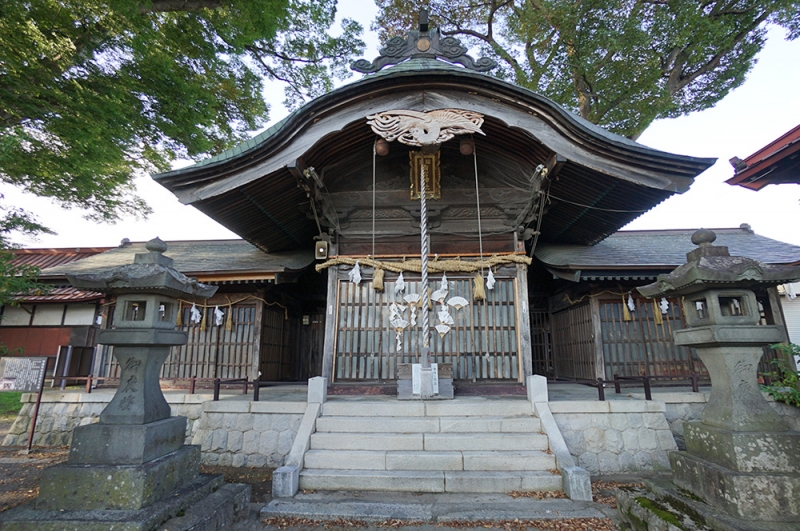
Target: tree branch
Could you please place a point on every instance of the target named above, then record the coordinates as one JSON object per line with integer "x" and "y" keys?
{"x": 677, "y": 81}
{"x": 166, "y": 6}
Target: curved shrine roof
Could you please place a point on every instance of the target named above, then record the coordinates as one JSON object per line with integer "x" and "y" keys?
{"x": 607, "y": 180}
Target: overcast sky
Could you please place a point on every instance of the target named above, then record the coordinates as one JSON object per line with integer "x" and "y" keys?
{"x": 762, "y": 109}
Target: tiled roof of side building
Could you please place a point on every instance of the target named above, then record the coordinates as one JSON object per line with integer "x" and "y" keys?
{"x": 201, "y": 256}
{"x": 663, "y": 248}
{"x": 45, "y": 258}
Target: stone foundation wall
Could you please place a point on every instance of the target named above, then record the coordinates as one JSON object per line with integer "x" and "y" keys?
{"x": 59, "y": 413}
{"x": 239, "y": 433}
{"x": 230, "y": 432}
{"x": 615, "y": 436}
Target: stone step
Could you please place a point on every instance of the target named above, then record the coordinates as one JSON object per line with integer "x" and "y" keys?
{"x": 347, "y": 408}
{"x": 429, "y": 441}
{"x": 482, "y": 481}
{"x": 509, "y": 461}
{"x": 345, "y": 460}
{"x": 378, "y": 424}
{"x": 411, "y": 460}
{"x": 475, "y": 407}
{"x": 366, "y": 441}
{"x": 485, "y": 442}
{"x": 486, "y": 424}
{"x": 372, "y": 480}
{"x": 479, "y": 407}
{"x": 490, "y": 424}
{"x": 426, "y": 481}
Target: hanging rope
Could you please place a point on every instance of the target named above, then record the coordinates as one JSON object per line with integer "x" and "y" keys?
{"x": 423, "y": 229}
{"x": 479, "y": 293}
{"x": 438, "y": 266}
{"x": 374, "y": 157}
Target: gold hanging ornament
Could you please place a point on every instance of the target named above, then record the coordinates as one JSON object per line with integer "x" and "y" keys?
{"x": 626, "y": 314}
{"x": 657, "y": 313}
{"x": 479, "y": 293}
{"x": 377, "y": 279}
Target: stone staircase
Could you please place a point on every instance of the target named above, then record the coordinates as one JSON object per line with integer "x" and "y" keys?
{"x": 473, "y": 444}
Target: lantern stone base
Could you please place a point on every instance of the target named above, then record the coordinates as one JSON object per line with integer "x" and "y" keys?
{"x": 744, "y": 451}
{"x": 126, "y": 444}
{"x": 204, "y": 504}
{"x": 754, "y": 496}
{"x": 659, "y": 505}
{"x": 90, "y": 487}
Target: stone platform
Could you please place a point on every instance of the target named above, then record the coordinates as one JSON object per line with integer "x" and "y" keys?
{"x": 660, "y": 506}
{"x": 750, "y": 475}
{"x": 204, "y": 504}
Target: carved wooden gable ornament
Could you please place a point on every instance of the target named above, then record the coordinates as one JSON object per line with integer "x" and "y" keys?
{"x": 415, "y": 128}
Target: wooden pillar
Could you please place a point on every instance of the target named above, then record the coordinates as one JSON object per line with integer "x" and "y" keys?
{"x": 597, "y": 337}
{"x": 524, "y": 324}
{"x": 255, "y": 362}
{"x": 331, "y": 312}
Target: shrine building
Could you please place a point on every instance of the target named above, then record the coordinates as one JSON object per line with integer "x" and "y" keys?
{"x": 522, "y": 199}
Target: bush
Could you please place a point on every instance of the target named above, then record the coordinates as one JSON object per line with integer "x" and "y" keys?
{"x": 9, "y": 405}
{"x": 785, "y": 381}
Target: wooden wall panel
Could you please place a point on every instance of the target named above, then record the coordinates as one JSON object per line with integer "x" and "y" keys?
{"x": 482, "y": 342}
{"x": 573, "y": 347}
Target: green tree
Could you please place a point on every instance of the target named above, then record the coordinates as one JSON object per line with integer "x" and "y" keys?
{"x": 17, "y": 279}
{"x": 96, "y": 92}
{"x": 618, "y": 63}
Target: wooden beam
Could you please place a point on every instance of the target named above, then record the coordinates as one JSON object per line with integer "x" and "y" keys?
{"x": 597, "y": 338}
{"x": 331, "y": 313}
{"x": 255, "y": 363}
{"x": 524, "y": 324}
{"x": 554, "y": 164}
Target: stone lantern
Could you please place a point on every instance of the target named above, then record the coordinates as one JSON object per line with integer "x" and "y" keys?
{"x": 741, "y": 458}
{"x": 132, "y": 469}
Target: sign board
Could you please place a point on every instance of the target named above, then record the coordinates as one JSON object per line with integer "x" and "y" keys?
{"x": 22, "y": 374}
{"x": 435, "y": 378}
{"x": 416, "y": 378}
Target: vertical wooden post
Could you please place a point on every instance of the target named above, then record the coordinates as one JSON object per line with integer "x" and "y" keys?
{"x": 65, "y": 370}
{"x": 258, "y": 326}
{"x": 597, "y": 336}
{"x": 524, "y": 324}
{"x": 330, "y": 323}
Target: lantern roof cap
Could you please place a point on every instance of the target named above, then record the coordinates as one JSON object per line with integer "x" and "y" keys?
{"x": 712, "y": 267}
{"x": 150, "y": 272}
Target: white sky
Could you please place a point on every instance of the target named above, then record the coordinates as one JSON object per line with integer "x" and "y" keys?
{"x": 763, "y": 108}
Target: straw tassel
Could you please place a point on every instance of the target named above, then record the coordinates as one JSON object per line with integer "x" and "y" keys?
{"x": 203, "y": 320}
{"x": 626, "y": 314}
{"x": 479, "y": 292}
{"x": 657, "y": 313}
{"x": 430, "y": 302}
{"x": 179, "y": 321}
{"x": 377, "y": 280}
{"x": 229, "y": 319}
